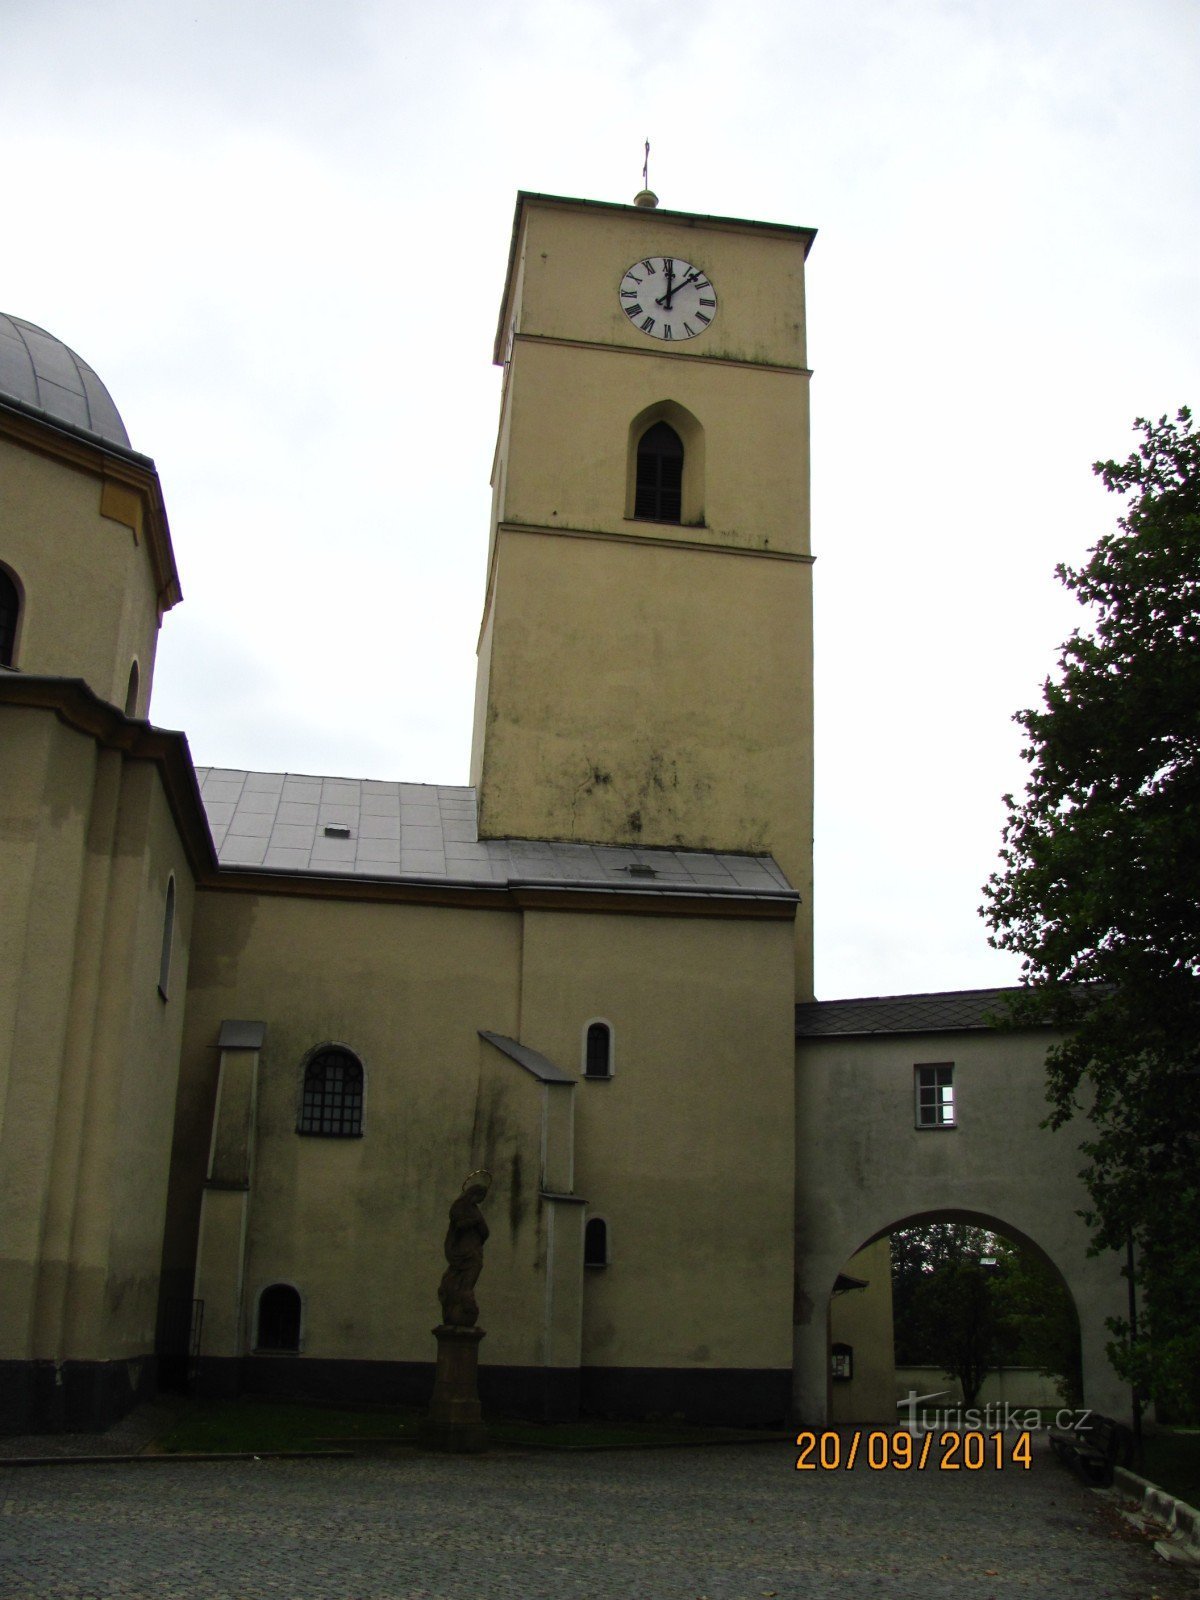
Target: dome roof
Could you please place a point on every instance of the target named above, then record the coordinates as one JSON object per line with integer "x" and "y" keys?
{"x": 39, "y": 371}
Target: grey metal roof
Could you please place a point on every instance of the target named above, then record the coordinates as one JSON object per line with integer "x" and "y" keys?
{"x": 532, "y": 1060}
{"x": 40, "y": 372}
{"x": 953, "y": 1011}
{"x": 279, "y": 822}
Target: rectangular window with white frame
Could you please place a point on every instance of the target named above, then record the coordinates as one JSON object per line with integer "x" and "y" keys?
{"x": 934, "y": 1088}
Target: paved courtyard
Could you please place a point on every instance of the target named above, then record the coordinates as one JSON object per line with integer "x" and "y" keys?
{"x": 726, "y": 1523}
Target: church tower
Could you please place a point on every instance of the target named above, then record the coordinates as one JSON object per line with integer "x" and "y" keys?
{"x": 645, "y": 659}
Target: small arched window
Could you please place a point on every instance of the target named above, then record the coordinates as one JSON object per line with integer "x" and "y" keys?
{"x": 278, "y": 1318}
{"x": 131, "y": 691}
{"x": 659, "y": 492}
{"x": 168, "y": 939}
{"x": 595, "y": 1242}
{"x": 332, "y": 1101}
{"x": 10, "y": 611}
{"x": 597, "y": 1051}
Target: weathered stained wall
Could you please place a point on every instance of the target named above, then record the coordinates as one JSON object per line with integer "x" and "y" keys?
{"x": 88, "y": 1056}
{"x": 862, "y": 1318}
{"x": 863, "y": 1169}
{"x": 89, "y": 600}
{"x": 688, "y": 1148}
{"x": 642, "y": 681}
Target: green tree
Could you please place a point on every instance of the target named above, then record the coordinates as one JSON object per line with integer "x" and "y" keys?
{"x": 918, "y": 1254}
{"x": 1099, "y": 893}
{"x": 1038, "y": 1314}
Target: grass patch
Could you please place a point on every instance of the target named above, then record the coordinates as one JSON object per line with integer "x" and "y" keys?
{"x": 262, "y": 1427}
{"x": 1173, "y": 1462}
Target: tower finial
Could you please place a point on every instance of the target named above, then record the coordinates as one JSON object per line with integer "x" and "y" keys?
{"x": 646, "y": 198}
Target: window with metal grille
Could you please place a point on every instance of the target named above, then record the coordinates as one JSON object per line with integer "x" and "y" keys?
{"x": 10, "y": 609}
{"x": 333, "y": 1094}
{"x": 659, "y": 493}
{"x": 279, "y": 1318}
{"x": 597, "y": 1059}
{"x": 595, "y": 1242}
{"x": 935, "y": 1095}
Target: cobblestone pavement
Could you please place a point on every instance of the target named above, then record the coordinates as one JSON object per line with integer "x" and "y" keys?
{"x": 723, "y": 1523}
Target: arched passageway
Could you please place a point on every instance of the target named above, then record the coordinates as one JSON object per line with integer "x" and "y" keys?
{"x": 955, "y": 1310}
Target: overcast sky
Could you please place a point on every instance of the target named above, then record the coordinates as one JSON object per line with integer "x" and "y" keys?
{"x": 279, "y": 232}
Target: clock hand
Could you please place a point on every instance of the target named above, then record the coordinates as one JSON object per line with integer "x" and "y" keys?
{"x": 664, "y": 300}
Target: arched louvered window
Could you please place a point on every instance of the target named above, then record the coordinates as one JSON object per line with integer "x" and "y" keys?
{"x": 595, "y": 1242}
{"x": 597, "y": 1054}
{"x": 278, "y": 1318}
{"x": 659, "y": 492}
{"x": 10, "y": 610}
{"x": 332, "y": 1103}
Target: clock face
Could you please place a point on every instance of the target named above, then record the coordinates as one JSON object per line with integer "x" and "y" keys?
{"x": 666, "y": 298}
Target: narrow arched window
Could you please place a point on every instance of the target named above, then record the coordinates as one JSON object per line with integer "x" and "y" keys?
{"x": 10, "y": 610}
{"x": 595, "y": 1242}
{"x": 131, "y": 691}
{"x": 278, "y": 1318}
{"x": 659, "y": 492}
{"x": 597, "y": 1054}
{"x": 332, "y": 1102}
{"x": 168, "y": 939}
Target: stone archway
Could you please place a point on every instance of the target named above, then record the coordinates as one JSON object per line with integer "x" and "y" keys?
{"x": 866, "y": 1374}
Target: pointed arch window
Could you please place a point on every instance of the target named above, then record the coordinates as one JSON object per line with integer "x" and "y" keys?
{"x": 332, "y": 1098}
{"x": 659, "y": 492}
{"x": 10, "y": 610}
{"x": 131, "y": 690}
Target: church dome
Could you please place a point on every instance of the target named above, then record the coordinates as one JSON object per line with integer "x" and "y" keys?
{"x": 39, "y": 372}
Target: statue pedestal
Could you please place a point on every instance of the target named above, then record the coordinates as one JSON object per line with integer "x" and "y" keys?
{"x": 455, "y": 1421}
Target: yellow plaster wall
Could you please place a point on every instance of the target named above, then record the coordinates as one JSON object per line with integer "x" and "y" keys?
{"x": 569, "y": 443}
{"x": 687, "y": 1150}
{"x": 89, "y": 600}
{"x": 357, "y": 1224}
{"x": 644, "y": 682}
{"x": 862, "y": 1318}
{"x": 651, "y": 696}
{"x": 573, "y": 258}
{"x": 88, "y": 1048}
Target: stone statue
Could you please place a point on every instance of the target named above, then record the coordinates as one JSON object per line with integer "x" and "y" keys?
{"x": 465, "y": 1239}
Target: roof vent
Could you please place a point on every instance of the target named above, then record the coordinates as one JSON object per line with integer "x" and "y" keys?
{"x": 337, "y": 830}
{"x": 639, "y": 869}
